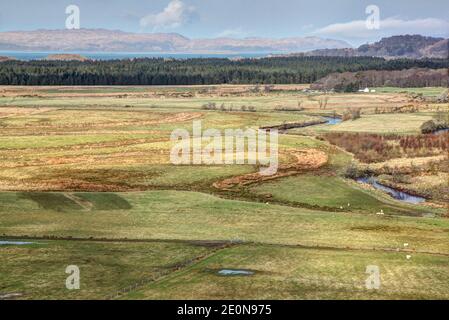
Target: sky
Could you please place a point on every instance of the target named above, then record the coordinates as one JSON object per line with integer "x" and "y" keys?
{"x": 336, "y": 19}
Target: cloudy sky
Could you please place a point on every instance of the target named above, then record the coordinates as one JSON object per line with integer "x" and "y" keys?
{"x": 339, "y": 19}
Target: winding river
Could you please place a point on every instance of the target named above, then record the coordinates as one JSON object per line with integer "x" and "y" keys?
{"x": 396, "y": 194}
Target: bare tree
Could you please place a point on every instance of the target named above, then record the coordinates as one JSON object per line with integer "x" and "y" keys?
{"x": 323, "y": 102}
{"x": 268, "y": 88}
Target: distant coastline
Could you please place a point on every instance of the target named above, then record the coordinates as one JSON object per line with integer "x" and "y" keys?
{"x": 39, "y": 55}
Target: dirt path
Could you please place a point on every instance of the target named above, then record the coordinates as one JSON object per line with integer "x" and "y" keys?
{"x": 86, "y": 205}
{"x": 308, "y": 159}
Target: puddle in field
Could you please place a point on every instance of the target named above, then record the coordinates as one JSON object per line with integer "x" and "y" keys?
{"x": 396, "y": 194}
{"x": 14, "y": 243}
{"x": 234, "y": 272}
{"x": 9, "y": 296}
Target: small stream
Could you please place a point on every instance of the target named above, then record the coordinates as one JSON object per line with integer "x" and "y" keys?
{"x": 441, "y": 131}
{"x": 333, "y": 121}
{"x": 287, "y": 126}
{"x": 396, "y": 194}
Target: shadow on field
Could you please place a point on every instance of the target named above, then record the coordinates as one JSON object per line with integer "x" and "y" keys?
{"x": 60, "y": 202}
{"x": 105, "y": 201}
{"x": 51, "y": 201}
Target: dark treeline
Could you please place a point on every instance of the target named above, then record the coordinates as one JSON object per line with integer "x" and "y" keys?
{"x": 158, "y": 71}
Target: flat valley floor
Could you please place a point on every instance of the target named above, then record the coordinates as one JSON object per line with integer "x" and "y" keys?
{"x": 86, "y": 180}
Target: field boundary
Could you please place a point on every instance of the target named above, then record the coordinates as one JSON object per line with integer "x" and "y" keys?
{"x": 221, "y": 243}
{"x": 176, "y": 268}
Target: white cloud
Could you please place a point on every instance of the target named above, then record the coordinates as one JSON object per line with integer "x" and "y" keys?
{"x": 174, "y": 15}
{"x": 391, "y": 26}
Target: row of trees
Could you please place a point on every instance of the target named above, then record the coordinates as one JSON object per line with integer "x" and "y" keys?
{"x": 428, "y": 142}
{"x": 223, "y": 107}
{"x": 157, "y": 71}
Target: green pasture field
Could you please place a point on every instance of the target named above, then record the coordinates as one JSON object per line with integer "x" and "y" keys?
{"x": 190, "y": 270}
{"x": 305, "y": 254}
{"x": 402, "y": 123}
{"x": 282, "y": 272}
{"x": 180, "y": 215}
{"x": 37, "y": 270}
{"x": 334, "y": 193}
{"x": 86, "y": 176}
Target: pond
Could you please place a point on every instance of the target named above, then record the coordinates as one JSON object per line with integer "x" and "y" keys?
{"x": 233, "y": 272}
{"x": 396, "y": 194}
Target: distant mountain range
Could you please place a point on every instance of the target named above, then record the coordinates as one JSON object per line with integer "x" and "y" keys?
{"x": 101, "y": 40}
{"x": 405, "y": 46}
